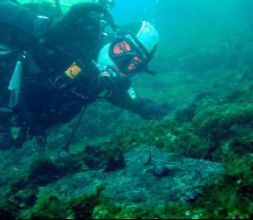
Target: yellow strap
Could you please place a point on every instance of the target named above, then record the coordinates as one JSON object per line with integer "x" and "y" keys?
{"x": 73, "y": 71}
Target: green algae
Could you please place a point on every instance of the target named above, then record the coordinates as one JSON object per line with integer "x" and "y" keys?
{"x": 224, "y": 136}
{"x": 229, "y": 126}
{"x": 46, "y": 207}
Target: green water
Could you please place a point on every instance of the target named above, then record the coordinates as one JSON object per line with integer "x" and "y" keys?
{"x": 204, "y": 62}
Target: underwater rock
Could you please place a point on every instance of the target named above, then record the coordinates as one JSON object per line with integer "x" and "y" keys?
{"x": 136, "y": 183}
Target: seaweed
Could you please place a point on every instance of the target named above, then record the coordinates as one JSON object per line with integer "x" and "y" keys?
{"x": 83, "y": 206}
{"x": 231, "y": 196}
{"x": 47, "y": 206}
{"x": 43, "y": 171}
{"x": 8, "y": 210}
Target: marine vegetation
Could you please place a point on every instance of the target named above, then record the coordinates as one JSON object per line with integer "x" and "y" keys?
{"x": 224, "y": 136}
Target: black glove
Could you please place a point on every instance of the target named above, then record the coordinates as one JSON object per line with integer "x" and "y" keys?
{"x": 156, "y": 111}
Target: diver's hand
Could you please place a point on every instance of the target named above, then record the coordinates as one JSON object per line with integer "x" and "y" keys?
{"x": 157, "y": 111}
{"x": 107, "y": 82}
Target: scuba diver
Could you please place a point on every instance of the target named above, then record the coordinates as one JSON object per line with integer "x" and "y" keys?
{"x": 51, "y": 69}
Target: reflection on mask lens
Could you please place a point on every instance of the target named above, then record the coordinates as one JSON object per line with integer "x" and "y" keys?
{"x": 121, "y": 48}
{"x": 135, "y": 63}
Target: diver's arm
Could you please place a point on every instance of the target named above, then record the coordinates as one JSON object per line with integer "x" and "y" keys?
{"x": 146, "y": 108}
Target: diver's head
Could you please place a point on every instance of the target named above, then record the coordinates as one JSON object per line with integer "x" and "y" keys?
{"x": 132, "y": 49}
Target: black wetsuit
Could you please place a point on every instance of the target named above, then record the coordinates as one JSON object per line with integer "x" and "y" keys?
{"x": 48, "y": 97}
